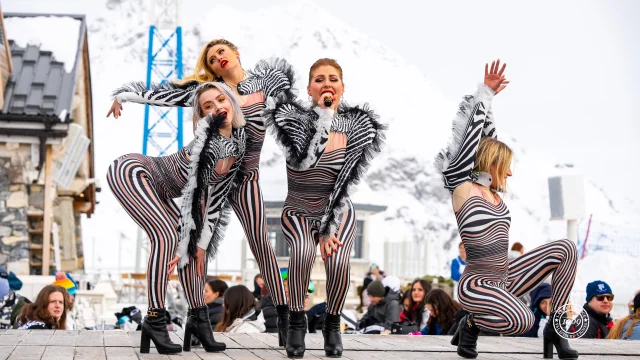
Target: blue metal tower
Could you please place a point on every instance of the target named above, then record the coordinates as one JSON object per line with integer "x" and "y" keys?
{"x": 163, "y": 125}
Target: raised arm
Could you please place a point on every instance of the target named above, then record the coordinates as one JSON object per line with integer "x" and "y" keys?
{"x": 472, "y": 122}
{"x": 168, "y": 94}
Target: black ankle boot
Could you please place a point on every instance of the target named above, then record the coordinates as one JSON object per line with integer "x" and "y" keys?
{"x": 551, "y": 339}
{"x": 199, "y": 326}
{"x": 467, "y": 338}
{"x": 283, "y": 324}
{"x": 331, "y": 334}
{"x": 295, "y": 334}
{"x": 154, "y": 328}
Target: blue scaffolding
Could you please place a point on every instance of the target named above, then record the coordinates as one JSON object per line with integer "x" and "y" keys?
{"x": 163, "y": 125}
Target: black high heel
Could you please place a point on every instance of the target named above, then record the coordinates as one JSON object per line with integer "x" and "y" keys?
{"x": 331, "y": 333}
{"x": 154, "y": 328}
{"x": 295, "y": 335}
{"x": 283, "y": 324}
{"x": 199, "y": 326}
{"x": 467, "y": 338}
{"x": 551, "y": 339}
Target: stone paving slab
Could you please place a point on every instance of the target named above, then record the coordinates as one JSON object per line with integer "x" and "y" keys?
{"x": 106, "y": 345}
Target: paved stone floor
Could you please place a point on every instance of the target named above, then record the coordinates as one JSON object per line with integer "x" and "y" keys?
{"x": 96, "y": 345}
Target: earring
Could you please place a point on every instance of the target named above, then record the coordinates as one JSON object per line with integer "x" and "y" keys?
{"x": 310, "y": 99}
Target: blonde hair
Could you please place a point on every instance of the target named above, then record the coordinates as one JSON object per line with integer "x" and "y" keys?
{"x": 202, "y": 72}
{"x": 238, "y": 118}
{"x": 494, "y": 152}
{"x": 616, "y": 331}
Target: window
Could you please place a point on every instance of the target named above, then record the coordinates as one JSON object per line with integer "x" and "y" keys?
{"x": 279, "y": 243}
{"x": 356, "y": 251}
{"x": 276, "y": 237}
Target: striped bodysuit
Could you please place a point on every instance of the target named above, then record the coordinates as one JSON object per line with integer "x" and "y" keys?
{"x": 266, "y": 80}
{"x": 145, "y": 187}
{"x": 326, "y": 154}
{"x": 490, "y": 285}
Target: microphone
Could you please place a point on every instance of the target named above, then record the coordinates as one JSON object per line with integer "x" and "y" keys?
{"x": 328, "y": 101}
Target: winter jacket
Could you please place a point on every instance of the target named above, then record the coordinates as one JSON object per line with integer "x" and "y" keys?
{"x": 269, "y": 313}
{"x": 418, "y": 316}
{"x": 599, "y": 324}
{"x": 216, "y": 311}
{"x": 543, "y": 291}
{"x": 384, "y": 314}
{"x": 635, "y": 334}
{"x": 252, "y": 322}
{"x": 457, "y": 268}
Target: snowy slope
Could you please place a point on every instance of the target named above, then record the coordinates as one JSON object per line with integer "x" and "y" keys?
{"x": 402, "y": 178}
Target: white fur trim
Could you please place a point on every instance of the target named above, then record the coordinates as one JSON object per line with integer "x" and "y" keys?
{"x": 459, "y": 127}
{"x": 322, "y": 132}
{"x": 186, "y": 219}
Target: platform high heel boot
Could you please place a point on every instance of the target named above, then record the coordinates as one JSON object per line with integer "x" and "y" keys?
{"x": 295, "y": 334}
{"x": 332, "y": 338}
{"x": 551, "y": 339}
{"x": 467, "y": 338}
{"x": 283, "y": 324}
{"x": 154, "y": 328}
{"x": 199, "y": 326}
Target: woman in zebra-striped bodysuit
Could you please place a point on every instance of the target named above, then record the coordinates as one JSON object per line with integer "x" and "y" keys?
{"x": 327, "y": 151}
{"x": 219, "y": 61}
{"x": 145, "y": 187}
{"x": 474, "y": 167}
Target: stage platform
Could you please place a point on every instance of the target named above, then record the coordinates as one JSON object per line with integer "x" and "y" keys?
{"x": 97, "y": 345}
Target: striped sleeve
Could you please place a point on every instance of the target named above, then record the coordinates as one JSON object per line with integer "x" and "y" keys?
{"x": 365, "y": 138}
{"x": 274, "y": 77}
{"x": 168, "y": 94}
{"x": 457, "y": 160}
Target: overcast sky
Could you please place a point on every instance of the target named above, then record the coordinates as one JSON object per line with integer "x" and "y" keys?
{"x": 573, "y": 66}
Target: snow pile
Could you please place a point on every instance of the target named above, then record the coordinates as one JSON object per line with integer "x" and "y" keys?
{"x": 58, "y": 34}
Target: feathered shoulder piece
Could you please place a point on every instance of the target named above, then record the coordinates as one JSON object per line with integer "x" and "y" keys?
{"x": 473, "y": 121}
{"x": 274, "y": 77}
{"x": 208, "y": 148}
{"x": 365, "y": 138}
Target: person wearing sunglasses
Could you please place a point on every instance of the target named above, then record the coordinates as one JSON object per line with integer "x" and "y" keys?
{"x": 598, "y": 306}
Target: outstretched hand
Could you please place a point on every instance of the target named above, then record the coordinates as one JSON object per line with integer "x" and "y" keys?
{"x": 494, "y": 78}
{"x": 115, "y": 109}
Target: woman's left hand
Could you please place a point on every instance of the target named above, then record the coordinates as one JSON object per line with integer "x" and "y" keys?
{"x": 200, "y": 262}
{"x": 328, "y": 244}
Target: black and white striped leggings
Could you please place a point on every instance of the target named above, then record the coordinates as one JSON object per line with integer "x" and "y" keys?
{"x": 145, "y": 187}
{"x": 494, "y": 302}
{"x": 302, "y": 233}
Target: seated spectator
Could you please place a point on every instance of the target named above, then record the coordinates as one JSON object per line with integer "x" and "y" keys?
{"x": 383, "y": 311}
{"x": 213, "y": 295}
{"x": 628, "y": 328}
{"x": 598, "y": 307}
{"x": 74, "y": 319}
{"x": 541, "y": 308}
{"x": 405, "y": 314}
{"x": 442, "y": 314}
{"x": 418, "y": 313}
{"x": 374, "y": 274}
{"x": 49, "y": 311}
{"x": 240, "y": 313}
{"x": 10, "y": 303}
{"x": 259, "y": 287}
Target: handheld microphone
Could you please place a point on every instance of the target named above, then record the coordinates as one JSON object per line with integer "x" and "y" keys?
{"x": 328, "y": 101}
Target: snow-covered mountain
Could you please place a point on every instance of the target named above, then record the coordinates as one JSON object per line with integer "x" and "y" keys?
{"x": 403, "y": 177}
